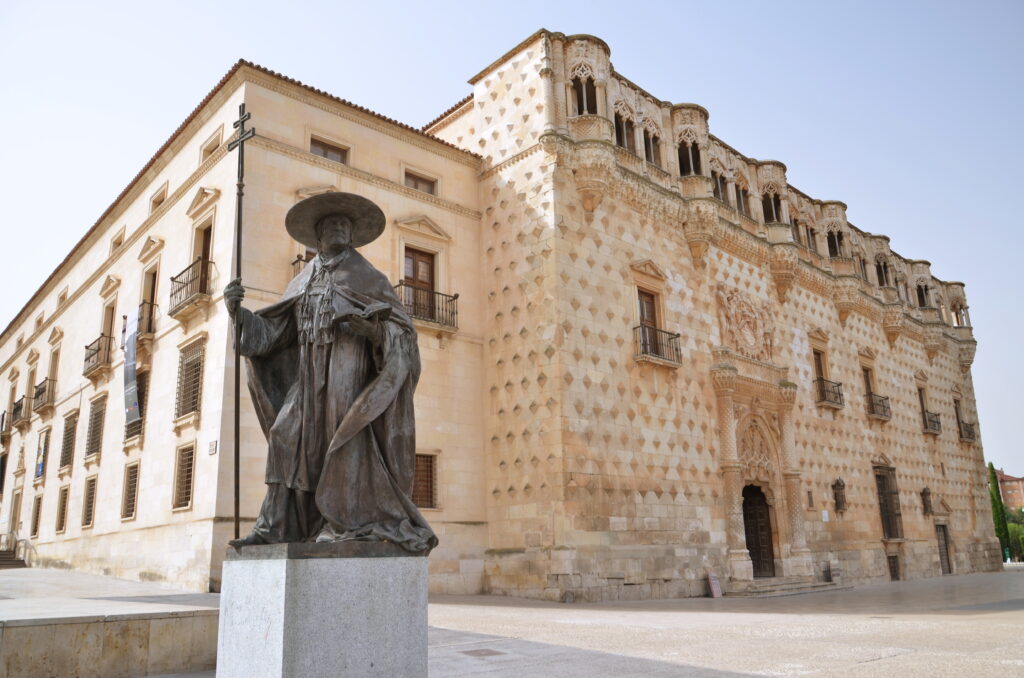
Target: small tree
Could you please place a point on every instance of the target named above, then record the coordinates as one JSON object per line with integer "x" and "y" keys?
{"x": 998, "y": 515}
{"x": 1016, "y": 541}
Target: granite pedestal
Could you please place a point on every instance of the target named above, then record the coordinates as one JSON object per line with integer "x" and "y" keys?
{"x": 344, "y": 609}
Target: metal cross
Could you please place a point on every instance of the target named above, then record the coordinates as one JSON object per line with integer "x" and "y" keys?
{"x": 239, "y": 143}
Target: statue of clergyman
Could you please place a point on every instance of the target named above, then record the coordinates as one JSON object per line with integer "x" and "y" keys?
{"x": 332, "y": 370}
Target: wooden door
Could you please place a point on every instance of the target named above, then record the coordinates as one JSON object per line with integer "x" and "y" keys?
{"x": 942, "y": 535}
{"x": 759, "y": 531}
{"x": 419, "y": 280}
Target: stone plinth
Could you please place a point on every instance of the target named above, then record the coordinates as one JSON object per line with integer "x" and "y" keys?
{"x": 347, "y": 609}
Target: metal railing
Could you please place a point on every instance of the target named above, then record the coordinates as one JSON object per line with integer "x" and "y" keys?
{"x": 22, "y": 410}
{"x": 426, "y": 304}
{"x": 967, "y": 431}
{"x": 44, "y": 395}
{"x": 932, "y": 423}
{"x": 828, "y": 392}
{"x": 650, "y": 341}
{"x": 97, "y": 354}
{"x": 189, "y": 284}
{"x": 878, "y": 406}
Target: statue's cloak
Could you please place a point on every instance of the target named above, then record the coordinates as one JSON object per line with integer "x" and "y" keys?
{"x": 337, "y": 415}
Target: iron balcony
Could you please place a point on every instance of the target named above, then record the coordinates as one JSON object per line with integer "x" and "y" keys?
{"x": 828, "y": 393}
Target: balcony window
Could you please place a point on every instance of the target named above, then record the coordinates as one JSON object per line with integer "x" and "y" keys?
{"x": 930, "y": 420}
{"x": 826, "y": 392}
{"x": 835, "y": 244}
{"x": 742, "y": 200}
{"x": 652, "y": 148}
{"x": 877, "y": 405}
{"x": 772, "y": 207}
{"x": 625, "y": 136}
{"x": 424, "y": 487}
{"x": 882, "y": 272}
{"x": 585, "y": 95}
{"x": 649, "y": 339}
{"x": 922, "y": 296}
{"x": 720, "y": 187}
{"x": 689, "y": 159}
{"x": 190, "y": 286}
{"x": 418, "y": 294}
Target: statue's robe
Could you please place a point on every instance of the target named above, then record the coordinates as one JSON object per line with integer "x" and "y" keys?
{"x": 337, "y": 409}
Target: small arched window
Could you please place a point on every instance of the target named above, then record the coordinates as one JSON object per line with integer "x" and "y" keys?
{"x": 835, "y": 244}
{"x": 742, "y": 200}
{"x": 720, "y": 186}
{"x": 882, "y": 272}
{"x": 652, "y": 148}
{"x": 922, "y": 296}
{"x": 772, "y": 206}
{"x": 624, "y": 135}
{"x": 796, "y": 232}
{"x": 585, "y": 94}
{"x": 689, "y": 158}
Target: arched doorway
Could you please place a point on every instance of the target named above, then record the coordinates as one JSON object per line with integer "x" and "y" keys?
{"x": 758, "y": 526}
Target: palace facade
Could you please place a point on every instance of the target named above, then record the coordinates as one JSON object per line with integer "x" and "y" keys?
{"x": 646, "y": 356}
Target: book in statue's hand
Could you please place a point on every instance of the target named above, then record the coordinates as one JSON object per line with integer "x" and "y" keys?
{"x": 378, "y": 311}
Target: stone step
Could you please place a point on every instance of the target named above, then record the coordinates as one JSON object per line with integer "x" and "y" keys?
{"x": 792, "y": 589}
{"x": 12, "y": 564}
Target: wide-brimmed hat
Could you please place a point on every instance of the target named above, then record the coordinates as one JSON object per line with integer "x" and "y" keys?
{"x": 367, "y": 219}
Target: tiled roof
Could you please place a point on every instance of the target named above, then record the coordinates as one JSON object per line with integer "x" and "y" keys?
{"x": 459, "y": 104}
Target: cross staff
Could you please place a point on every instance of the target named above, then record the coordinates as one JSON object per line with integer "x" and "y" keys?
{"x": 239, "y": 143}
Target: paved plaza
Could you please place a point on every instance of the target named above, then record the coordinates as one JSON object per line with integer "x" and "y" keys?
{"x": 968, "y": 625}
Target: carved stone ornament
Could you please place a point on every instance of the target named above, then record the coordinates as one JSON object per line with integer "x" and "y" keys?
{"x": 755, "y": 454}
{"x": 747, "y": 326}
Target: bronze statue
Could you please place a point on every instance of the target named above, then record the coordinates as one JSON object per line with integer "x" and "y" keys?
{"x": 332, "y": 370}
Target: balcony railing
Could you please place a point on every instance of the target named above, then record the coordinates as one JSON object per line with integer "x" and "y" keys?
{"x": 97, "y": 355}
{"x": 932, "y": 423}
{"x": 190, "y": 285}
{"x": 426, "y": 304}
{"x": 650, "y": 341}
{"x": 828, "y": 392}
{"x": 878, "y": 406}
{"x": 21, "y": 411}
{"x": 44, "y": 395}
{"x": 967, "y": 431}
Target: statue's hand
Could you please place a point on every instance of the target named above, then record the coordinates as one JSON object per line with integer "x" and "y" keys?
{"x": 365, "y": 328}
{"x": 233, "y": 295}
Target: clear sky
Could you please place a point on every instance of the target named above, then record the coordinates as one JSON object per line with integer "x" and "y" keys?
{"x": 909, "y": 112}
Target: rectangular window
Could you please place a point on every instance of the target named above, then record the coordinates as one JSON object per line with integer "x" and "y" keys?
{"x": 37, "y": 512}
{"x": 131, "y": 491}
{"x": 94, "y": 437}
{"x": 67, "y": 446}
{"x": 16, "y": 511}
{"x": 136, "y": 428}
{"x": 62, "y": 509}
{"x": 419, "y": 183}
{"x": 957, "y": 412}
{"x": 648, "y": 302}
{"x": 89, "y": 502}
{"x": 743, "y": 201}
{"x": 190, "y": 378}
{"x": 3, "y": 472}
{"x": 889, "y": 503}
{"x": 819, "y": 364}
{"x": 183, "y": 474}
{"x": 158, "y": 199}
{"x": 685, "y": 164}
{"x": 868, "y": 380}
{"x": 329, "y": 151}
{"x": 210, "y": 147}
{"x": 424, "y": 487}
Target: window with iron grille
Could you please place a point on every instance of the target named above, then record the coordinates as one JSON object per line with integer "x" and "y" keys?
{"x": 37, "y": 511}
{"x": 889, "y": 503}
{"x": 136, "y": 428}
{"x": 62, "y": 509}
{"x": 190, "y": 378}
{"x": 131, "y": 491}
{"x": 424, "y": 485}
{"x": 89, "y": 502}
{"x": 94, "y": 437}
{"x": 67, "y": 446}
{"x": 183, "y": 476}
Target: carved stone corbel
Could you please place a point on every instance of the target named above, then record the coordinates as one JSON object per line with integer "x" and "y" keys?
{"x": 892, "y": 323}
{"x": 784, "y": 264}
{"x": 844, "y": 294}
{"x": 700, "y": 229}
{"x": 965, "y": 355}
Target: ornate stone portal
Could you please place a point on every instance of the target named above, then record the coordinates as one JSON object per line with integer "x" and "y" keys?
{"x": 757, "y": 441}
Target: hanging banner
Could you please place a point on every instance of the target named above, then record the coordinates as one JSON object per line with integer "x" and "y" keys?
{"x": 131, "y": 388}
